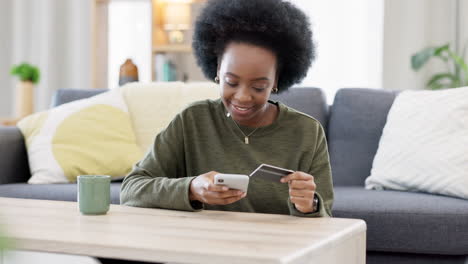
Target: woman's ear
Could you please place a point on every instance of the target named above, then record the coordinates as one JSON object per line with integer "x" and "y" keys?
{"x": 275, "y": 85}
{"x": 216, "y": 79}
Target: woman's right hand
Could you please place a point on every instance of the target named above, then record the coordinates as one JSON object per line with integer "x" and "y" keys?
{"x": 203, "y": 189}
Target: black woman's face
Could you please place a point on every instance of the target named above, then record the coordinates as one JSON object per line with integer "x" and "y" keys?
{"x": 247, "y": 75}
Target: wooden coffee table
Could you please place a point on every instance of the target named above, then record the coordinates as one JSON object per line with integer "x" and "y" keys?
{"x": 158, "y": 235}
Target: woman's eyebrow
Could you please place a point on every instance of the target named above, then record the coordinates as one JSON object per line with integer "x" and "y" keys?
{"x": 230, "y": 73}
{"x": 261, "y": 79}
{"x": 256, "y": 79}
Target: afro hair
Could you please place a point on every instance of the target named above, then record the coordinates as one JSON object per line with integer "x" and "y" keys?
{"x": 273, "y": 24}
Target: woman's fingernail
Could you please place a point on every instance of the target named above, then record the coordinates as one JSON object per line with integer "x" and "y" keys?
{"x": 225, "y": 188}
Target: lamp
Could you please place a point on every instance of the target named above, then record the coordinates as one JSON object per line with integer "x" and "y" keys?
{"x": 177, "y": 19}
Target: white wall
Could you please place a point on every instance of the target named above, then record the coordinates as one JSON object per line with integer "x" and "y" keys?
{"x": 409, "y": 27}
{"x": 366, "y": 43}
{"x": 463, "y": 14}
{"x": 6, "y": 90}
{"x": 349, "y": 36}
{"x": 55, "y": 35}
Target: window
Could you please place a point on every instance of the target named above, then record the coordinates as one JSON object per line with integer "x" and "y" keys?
{"x": 129, "y": 37}
{"x": 349, "y": 40}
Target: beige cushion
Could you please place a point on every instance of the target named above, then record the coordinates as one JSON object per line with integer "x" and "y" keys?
{"x": 152, "y": 106}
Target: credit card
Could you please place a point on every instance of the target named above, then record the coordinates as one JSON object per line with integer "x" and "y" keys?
{"x": 270, "y": 172}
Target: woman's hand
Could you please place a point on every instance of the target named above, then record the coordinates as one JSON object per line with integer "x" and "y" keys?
{"x": 301, "y": 190}
{"x": 203, "y": 189}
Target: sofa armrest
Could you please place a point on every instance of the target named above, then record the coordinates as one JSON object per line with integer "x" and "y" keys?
{"x": 14, "y": 164}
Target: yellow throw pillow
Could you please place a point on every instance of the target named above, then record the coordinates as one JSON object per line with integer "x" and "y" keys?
{"x": 89, "y": 136}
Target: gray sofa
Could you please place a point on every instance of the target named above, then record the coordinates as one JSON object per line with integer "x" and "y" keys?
{"x": 403, "y": 227}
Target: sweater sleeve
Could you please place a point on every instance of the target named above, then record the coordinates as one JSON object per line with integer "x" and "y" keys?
{"x": 321, "y": 171}
{"x": 159, "y": 179}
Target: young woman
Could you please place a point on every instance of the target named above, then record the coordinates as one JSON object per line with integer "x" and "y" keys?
{"x": 251, "y": 48}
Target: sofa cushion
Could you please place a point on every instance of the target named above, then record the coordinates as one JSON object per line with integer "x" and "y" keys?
{"x": 60, "y": 192}
{"x": 424, "y": 144}
{"x": 405, "y": 221}
{"x": 310, "y": 101}
{"x": 357, "y": 118}
{"x": 152, "y": 106}
{"x": 89, "y": 136}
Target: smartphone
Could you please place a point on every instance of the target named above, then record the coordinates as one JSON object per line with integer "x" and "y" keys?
{"x": 270, "y": 172}
{"x": 233, "y": 181}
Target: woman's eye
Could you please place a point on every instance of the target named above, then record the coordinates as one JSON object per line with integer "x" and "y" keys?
{"x": 231, "y": 84}
{"x": 260, "y": 86}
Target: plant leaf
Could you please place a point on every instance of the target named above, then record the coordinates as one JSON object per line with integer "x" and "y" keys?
{"x": 438, "y": 50}
{"x": 436, "y": 82}
{"x": 459, "y": 62}
{"x": 35, "y": 76}
{"x": 26, "y": 72}
{"x": 419, "y": 59}
{"x": 439, "y": 85}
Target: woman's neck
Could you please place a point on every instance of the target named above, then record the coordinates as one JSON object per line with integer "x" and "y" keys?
{"x": 268, "y": 116}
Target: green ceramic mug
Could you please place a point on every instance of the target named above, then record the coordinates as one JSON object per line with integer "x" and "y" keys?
{"x": 93, "y": 194}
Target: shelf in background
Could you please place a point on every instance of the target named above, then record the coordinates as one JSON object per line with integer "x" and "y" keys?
{"x": 8, "y": 121}
{"x": 172, "y": 48}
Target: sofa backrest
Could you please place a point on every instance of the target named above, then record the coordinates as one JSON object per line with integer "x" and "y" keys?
{"x": 357, "y": 118}
{"x": 311, "y": 101}
{"x": 308, "y": 100}
{"x": 153, "y": 105}
{"x": 13, "y": 156}
{"x": 63, "y": 96}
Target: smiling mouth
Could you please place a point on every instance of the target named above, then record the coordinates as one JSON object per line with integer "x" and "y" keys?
{"x": 242, "y": 108}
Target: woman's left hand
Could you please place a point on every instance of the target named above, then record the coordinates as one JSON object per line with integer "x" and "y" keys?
{"x": 301, "y": 190}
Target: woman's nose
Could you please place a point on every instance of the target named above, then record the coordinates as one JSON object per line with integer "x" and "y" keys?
{"x": 243, "y": 94}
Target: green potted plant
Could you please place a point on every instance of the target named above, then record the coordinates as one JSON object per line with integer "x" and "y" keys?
{"x": 456, "y": 74}
{"x": 28, "y": 75}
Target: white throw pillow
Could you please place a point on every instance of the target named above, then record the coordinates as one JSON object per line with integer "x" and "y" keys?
{"x": 424, "y": 144}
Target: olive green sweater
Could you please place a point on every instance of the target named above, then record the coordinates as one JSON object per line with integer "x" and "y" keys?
{"x": 202, "y": 138}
